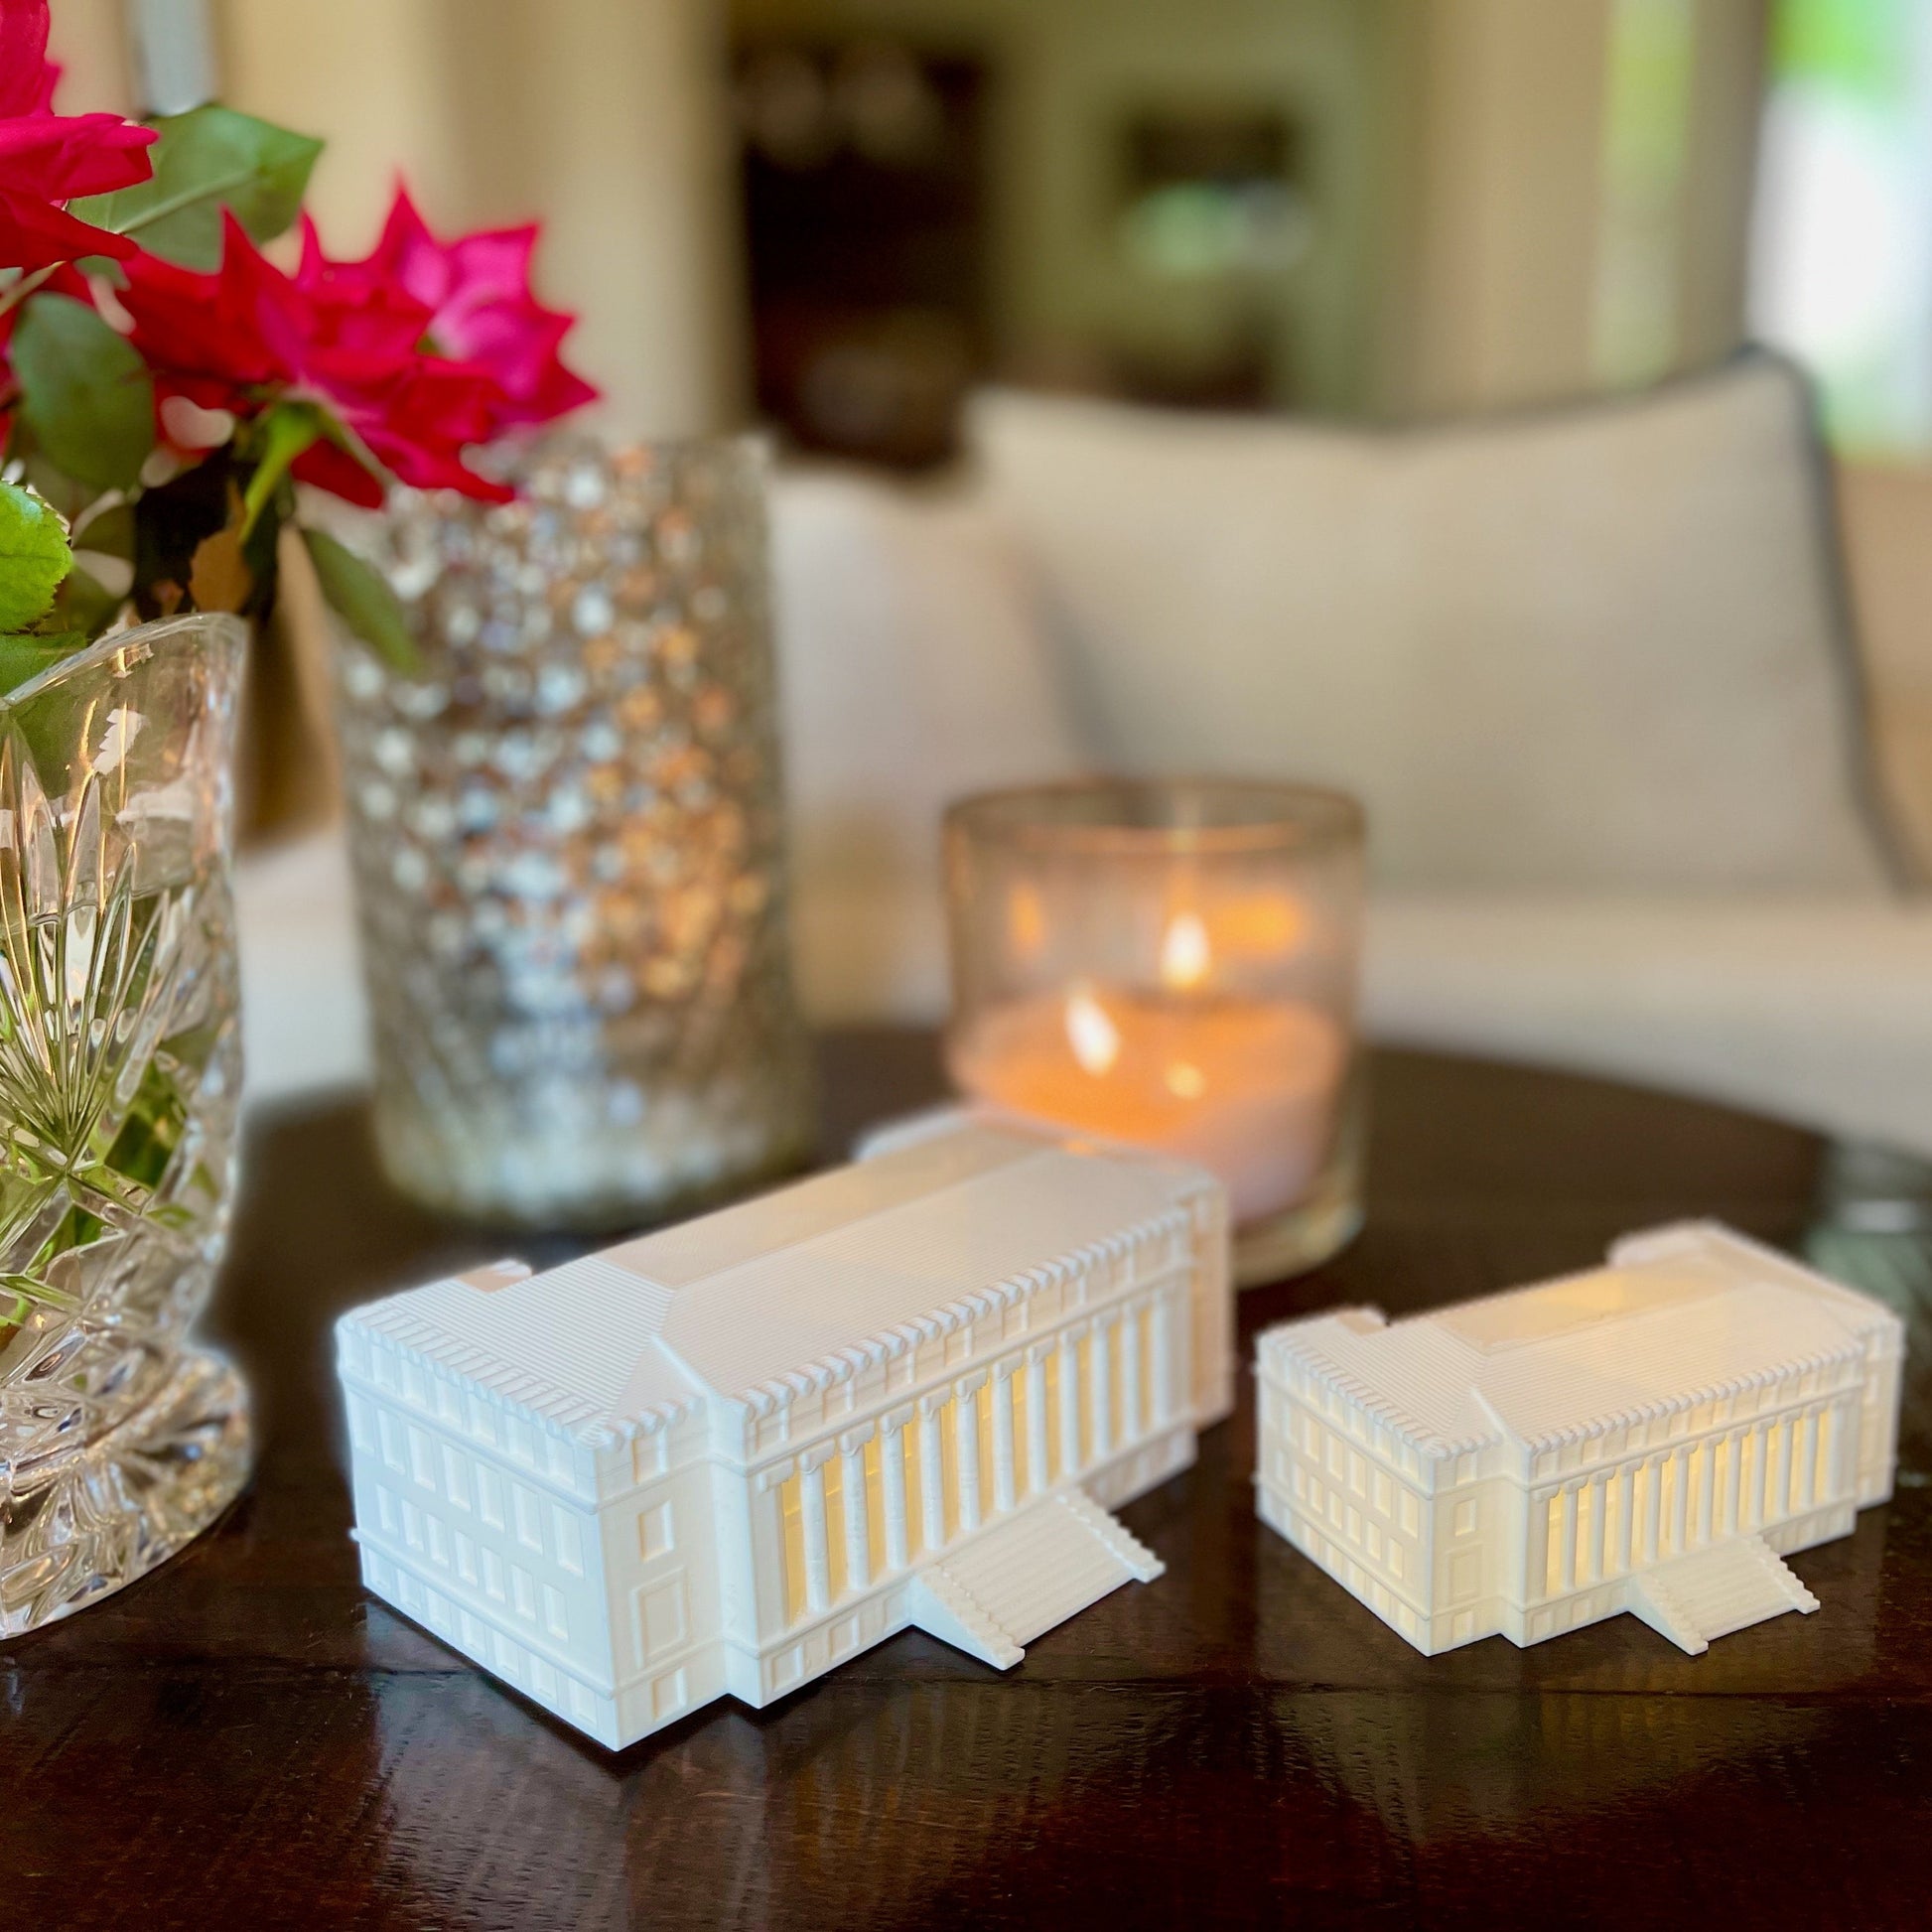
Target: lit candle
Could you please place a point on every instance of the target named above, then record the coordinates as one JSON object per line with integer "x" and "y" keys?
{"x": 1171, "y": 962}
{"x": 1244, "y": 1086}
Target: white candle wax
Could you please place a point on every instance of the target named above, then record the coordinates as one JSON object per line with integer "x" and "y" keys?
{"x": 1245, "y": 1087}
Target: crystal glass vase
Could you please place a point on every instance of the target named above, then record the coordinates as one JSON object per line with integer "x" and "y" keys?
{"x": 119, "y": 1077}
{"x": 568, "y": 843}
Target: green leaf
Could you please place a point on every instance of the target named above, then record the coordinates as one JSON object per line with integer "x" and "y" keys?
{"x": 34, "y": 557}
{"x": 85, "y": 605}
{"x": 358, "y": 596}
{"x": 25, "y": 655}
{"x": 85, "y": 392}
{"x": 205, "y": 159}
{"x": 107, "y": 533}
{"x": 72, "y": 499}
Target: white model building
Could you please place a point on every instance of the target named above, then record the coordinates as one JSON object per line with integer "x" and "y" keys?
{"x": 1651, "y": 1436}
{"x": 728, "y": 1457}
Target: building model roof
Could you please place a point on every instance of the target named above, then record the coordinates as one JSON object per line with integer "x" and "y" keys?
{"x": 802, "y": 1287}
{"x": 1674, "y": 1321}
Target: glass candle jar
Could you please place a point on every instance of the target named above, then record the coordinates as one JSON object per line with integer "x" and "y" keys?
{"x": 1172, "y": 963}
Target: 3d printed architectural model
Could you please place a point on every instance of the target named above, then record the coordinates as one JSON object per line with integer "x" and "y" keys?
{"x": 730, "y": 1455}
{"x": 1647, "y": 1438}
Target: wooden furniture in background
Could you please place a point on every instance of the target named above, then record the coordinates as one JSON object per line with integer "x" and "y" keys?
{"x": 1885, "y": 517}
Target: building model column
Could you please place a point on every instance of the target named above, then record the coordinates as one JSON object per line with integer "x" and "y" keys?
{"x": 811, "y": 1518}
{"x": 1536, "y": 1565}
{"x": 1754, "y": 1489}
{"x": 1567, "y": 1541}
{"x": 966, "y": 1446}
{"x": 1037, "y": 1473}
{"x": 1161, "y": 1355}
{"x": 1778, "y": 1502}
{"x": 1069, "y": 1379}
{"x": 932, "y": 1475}
{"x": 1099, "y": 1351}
{"x": 1130, "y": 1373}
{"x": 1653, "y": 1507}
{"x": 1734, "y": 1472}
{"x": 892, "y": 1473}
{"x": 1003, "y": 1492}
{"x": 857, "y": 1507}
{"x": 1845, "y": 1452}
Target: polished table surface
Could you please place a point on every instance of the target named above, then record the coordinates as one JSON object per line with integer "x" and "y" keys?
{"x": 246, "y": 1739}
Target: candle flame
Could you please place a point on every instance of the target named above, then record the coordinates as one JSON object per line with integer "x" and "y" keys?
{"x": 1094, "y": 1038}
{"x": 1026, "y": 921}
{"x": 1184, "y": 953}
{"x": 1186, "y": 1081}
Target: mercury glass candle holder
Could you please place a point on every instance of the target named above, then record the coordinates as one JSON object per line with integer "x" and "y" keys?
{"x": 1172, "y": 963}
{"x": 568, "y": 844}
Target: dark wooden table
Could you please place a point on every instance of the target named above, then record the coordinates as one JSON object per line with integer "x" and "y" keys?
{"x": 244, "y": 1739}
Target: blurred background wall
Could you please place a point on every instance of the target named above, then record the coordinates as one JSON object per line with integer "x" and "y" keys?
{"x": 1380, "y": 207}
{"x": 606, "y": 117}
{"x": 848, "y": 211}
{"x": 841, "y": 217}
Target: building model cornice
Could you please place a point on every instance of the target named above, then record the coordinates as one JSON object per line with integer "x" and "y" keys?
{"x": 693, "y": 1338}
{"x": 1678, "y": 1321}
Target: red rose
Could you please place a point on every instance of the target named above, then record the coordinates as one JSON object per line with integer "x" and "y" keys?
{"x": 481, "y": 310}
{"x": 249, "y": 335}
{"x": 46, "y": 159}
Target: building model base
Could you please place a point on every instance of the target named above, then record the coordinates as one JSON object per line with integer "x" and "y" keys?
{"x": 726, "y": 1457}
{"x": 1654, "y": 1437}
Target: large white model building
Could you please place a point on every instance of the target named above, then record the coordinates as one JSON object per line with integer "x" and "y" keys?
{"x": 730, "y": 1455}
{"x": 1652, "y": 1437}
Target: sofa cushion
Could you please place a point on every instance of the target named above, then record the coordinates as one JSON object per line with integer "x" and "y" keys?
{"x": 1814, "y": 1010}
{"x": 1592, "y": 650}
{"x": 1811, "y": 1009}
{"x": 914, "y": 666}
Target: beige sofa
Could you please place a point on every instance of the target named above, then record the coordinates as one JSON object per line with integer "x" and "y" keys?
{"x": 1631, "y": 611}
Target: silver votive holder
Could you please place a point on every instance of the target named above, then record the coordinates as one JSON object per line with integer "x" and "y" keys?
{"x": 568, "y": 843}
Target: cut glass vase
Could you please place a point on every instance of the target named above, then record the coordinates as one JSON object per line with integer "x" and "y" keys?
{"x": 119, "y": 1080}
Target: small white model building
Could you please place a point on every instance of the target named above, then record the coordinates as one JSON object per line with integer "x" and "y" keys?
{"x": 1651, "y": 1436}
{"x": 728, "y": 1457}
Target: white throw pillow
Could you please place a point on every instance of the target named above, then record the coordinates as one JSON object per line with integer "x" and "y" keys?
{"x": 914, "y": 667}
{"x": 1594, "y": 649}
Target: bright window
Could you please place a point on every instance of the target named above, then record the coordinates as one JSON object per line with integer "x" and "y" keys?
{"x": 1842, "y": 256}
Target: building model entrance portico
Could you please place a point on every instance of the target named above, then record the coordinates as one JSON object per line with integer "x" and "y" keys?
{"x": 1653, "y": 1437}
{"x": 730, "y": 1455}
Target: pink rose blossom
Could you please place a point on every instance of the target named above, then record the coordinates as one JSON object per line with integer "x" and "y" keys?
{"x": 482, "y": 311}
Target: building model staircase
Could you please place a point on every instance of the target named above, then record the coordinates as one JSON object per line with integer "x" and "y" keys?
{"x": 1043, "y": 1565}
{"x": 1694, "y": 1599}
